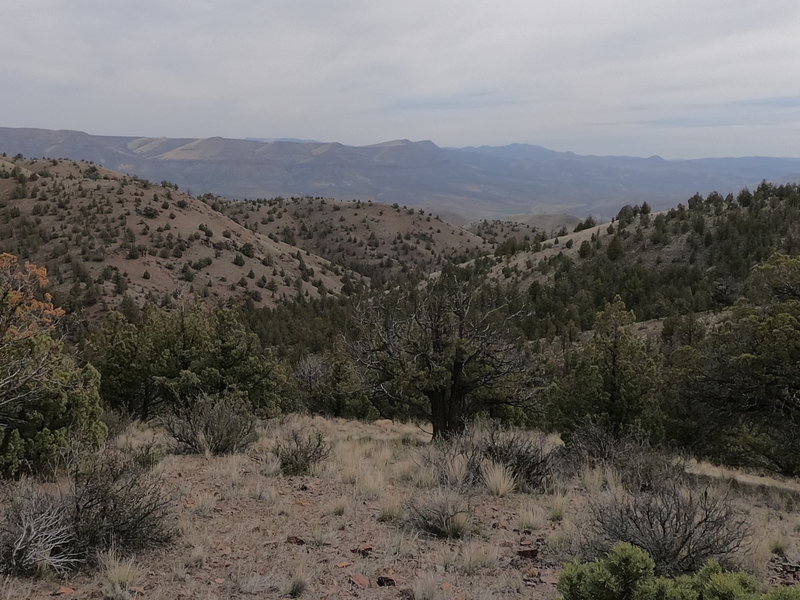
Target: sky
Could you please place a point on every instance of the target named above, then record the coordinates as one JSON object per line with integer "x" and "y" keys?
{"x": 677, "y": 78}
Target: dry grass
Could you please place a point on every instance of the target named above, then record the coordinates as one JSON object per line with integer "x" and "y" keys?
{"x": 558, "y": 507}
{"x": 248, "y": 532}
{"x": 498, "y": 479}
{"x": 390, "y": 508}
{"x": 532, "y": 517}
{"x": 477, "y": 555}
{"x": 118, "y": 575}
{"x": 426, "y": 587}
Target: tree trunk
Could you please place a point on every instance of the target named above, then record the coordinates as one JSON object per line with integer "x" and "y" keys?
{"x": 447, "y": 414}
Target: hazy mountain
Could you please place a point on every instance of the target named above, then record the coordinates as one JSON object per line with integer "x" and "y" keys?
{"x": 475, "y": 182}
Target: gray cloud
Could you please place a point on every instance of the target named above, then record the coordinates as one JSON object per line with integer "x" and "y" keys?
{"x": 615, "y": 76}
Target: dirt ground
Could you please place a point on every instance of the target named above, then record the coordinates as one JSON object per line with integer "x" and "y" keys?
{"x": 343, "y": 532}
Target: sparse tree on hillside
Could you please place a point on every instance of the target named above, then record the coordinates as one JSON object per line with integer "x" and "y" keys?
{"x": 443, "y": 352}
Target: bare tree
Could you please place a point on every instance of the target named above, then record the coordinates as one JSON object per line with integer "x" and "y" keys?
{"x": 445, "y": 351}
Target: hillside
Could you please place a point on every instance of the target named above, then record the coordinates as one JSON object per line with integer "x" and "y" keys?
{"x": 102, "y": 235}
{"x": 475, "y": 183}
{"x": 379, "y": 241}
{"x": 692, "y": 258}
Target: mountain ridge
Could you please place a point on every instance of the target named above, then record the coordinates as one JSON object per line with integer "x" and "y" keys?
{"x": 474, "y": 182}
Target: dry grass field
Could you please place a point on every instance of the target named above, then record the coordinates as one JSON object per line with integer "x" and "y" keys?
{"x": 356, "y": 526}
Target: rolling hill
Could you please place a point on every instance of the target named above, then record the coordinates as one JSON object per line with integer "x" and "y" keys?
{"x": 103, "y": 235}
{"x": 475, "y": 183}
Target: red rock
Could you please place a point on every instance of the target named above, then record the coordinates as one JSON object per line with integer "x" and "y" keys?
{"x": 219, "y": 580}
{"x": 446, "y": 586}
{"x": 359, "y": 580}
{"x": 529, "y": 553}
{"x": 63, "y": 590}
{"x": 344, "y": 564}
{"x": 136, "y": 589}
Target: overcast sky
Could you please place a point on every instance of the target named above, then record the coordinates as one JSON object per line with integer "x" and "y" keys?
{"x": 677, "y": 78}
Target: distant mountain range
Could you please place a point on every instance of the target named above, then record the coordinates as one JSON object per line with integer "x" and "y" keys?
{"x": 473, "y": 183}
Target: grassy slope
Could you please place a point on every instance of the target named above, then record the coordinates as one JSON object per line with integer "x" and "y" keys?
{"x": 237, "y": 518}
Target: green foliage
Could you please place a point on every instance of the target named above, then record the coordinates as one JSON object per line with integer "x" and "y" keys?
{"x": 36, "y": 429}
{"x": 617, "y": 577}
{"x": 738, "y": 387}
{"x": 627, "y": 573}
{"x": 587, "y": 224}
{"x": 330, "y": 384}
{"x": 302, "y": 327}
{"x": 173, "y": 356}
{"x": 713, "y": 246}
{"x": 614, "y": 380}
{"x": 44, "y": 394}
{"x": 444, "y": 352}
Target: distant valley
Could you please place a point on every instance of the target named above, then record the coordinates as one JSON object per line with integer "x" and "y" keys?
{"x": 460, "y": 184}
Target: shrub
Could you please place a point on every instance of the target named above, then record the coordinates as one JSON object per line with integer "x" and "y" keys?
{"x": 680, "y": 526}
{"x": 628, "y": 573}
{"x": 460, "y": 461}
{"x": 217, "y": 424}
{"x": 530, "y": 456}
{"x": 116, "y": 500}
{"x": 455, "y": 461}
{"x": 104, "y": 498}
{"x": 35, "y": 533}
{"x": 298, "y": 452}
{"x": 444, "y": 513}
{"x": 620, "y": 576}
{"x": 639, "y": 464}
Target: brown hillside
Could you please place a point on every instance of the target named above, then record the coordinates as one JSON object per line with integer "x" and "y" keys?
{"x": 102, "y": 234}
{"x": 377, "y": 240}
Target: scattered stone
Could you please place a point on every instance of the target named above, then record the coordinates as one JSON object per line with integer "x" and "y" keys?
{"x": 384, "y": 581}
{"x": 293, "y": 539}
{"x": 528, "y": 553}
{"x": 363, "y": 550}
{"x": 446, "y": 586}
{"x": 344, "y": 564}
{"x": 63, "y": 590}
{"x": 359, "y": 580}
{"x": 219, "y": 580}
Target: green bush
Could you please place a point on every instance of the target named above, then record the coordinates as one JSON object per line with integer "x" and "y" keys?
{"x": 628, "y": 573}
{"x": 44, "y": 395}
